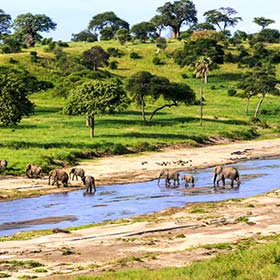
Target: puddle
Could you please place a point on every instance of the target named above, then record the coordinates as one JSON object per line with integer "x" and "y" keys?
{"x": 121, "y": 201}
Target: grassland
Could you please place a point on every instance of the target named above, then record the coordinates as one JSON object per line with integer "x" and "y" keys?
{"x": 49, "y": 135}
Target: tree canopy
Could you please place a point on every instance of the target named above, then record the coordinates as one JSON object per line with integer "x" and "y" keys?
{"x": 143, "y": 30}
{"x": 14, "y": 102}
{"x": 178, "y": 13}
{"x": 84, "y": 36}
{"x": 5, "y": 23}
{"x": 107, "y": 24}
{"x": 222, "y": 18}
{"x": 263, "y": 22}
{"x": 28, "y": 27}
{"x": 95, "y": 57}
{"x": 96, "y": 97}
{"x": 143, "y": 85}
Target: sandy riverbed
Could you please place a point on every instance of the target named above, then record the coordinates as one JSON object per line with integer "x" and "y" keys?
{"x": 160, "y": 239}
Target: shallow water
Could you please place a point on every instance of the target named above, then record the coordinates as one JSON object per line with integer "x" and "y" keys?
{"x": 120, "y": 201}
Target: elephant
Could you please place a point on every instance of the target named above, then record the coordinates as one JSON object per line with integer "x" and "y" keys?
{"x": 224, "y": 172}
{"x": 33, "y": 170}
{"x": 89, "y": 182}
{"x": 3, "y": 164}
{"x": 59, "y": 175}
{"x": 169, "y": 175}
{"x": 77, "y": 172}
{"x": 188, "y": 179}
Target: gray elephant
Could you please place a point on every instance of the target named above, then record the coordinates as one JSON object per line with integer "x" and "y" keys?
{"x": 59, "y": 175}
{"x": 77, "y": 172}
{"x": 188, "y": 179}
{"x": 169, "y": 175}
{"x": 89, "y": 182}
{"x": 226, "y": 172}
{"x": 3, "y": 164}
{"x": 33, "y": 170}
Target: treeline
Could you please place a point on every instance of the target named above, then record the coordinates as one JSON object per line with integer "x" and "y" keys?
{"x": 90, "y": 91}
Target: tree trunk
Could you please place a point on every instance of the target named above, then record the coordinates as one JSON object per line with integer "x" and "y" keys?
{"x": 87, "y": 120}
{"x": 160, "y": 108}
{"x": 91, "y": 125}
{"x": 201, "y": 101}
{"x": 143, "y": 109}
{"x": 259, "y": 105}
{"x": 247, "y": 105}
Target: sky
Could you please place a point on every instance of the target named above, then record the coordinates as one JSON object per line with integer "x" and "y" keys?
{"x": 73, "y": 16}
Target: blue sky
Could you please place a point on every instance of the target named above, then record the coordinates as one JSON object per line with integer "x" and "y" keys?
{"x": 72, "y": 16}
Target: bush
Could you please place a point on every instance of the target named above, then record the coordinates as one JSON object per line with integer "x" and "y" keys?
{"x": 157, "y": 61}
{"x": 184, "y": 76}
{"x": 231, "y": 92}
{"x": 115, "y": 52}
{"x": 33, "y": 56}
{"x": 135, "y": 55}
{"x": 113, "y": 65}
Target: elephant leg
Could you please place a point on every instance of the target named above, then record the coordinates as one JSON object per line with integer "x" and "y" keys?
{"x": 231, "y": 183}
{"x": 224, "y": 182}
{"x": 186, "y": 184}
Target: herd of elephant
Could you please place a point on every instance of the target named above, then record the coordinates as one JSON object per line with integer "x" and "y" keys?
{"x": 60, "y": 175}
{"x": 220, "y": 173}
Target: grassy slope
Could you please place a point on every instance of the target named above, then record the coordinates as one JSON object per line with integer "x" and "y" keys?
{"x": 48, "y": 133}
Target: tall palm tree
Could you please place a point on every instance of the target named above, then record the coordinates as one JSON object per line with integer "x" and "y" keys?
{"x": 201, "y": 69}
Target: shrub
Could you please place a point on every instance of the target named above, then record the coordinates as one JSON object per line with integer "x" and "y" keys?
{"x": 157, "y": 61}
{"x": 135, "y": 55}
{"x": 231, "y": 92}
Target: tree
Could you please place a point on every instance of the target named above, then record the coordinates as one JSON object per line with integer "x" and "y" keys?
{"x": 95, "y": 57}
{"x": 96, "y": 97}
{"x": 139, "y": 84}
{"x": 261, "y": 81}
{"x": 143, "y": 85}
{"x": 143, "y": 31}
{"x": 176, "y": 14}
{"x": 14, "y": 102}
{"x": 122, "y": 35}
{"x": 222, "y": 18}
{"x": 29, "y": 26}
{"x": 263, "y": 22}
{"x": 84, "y": 36}
{"x": 158, "y": 22}
{"x": 161, "y": 44}
{"x": 107, "y": 24}
{"x": 201, "y": 70}
{"x": 5, "y": 23}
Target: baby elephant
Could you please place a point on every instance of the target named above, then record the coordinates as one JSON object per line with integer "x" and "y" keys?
{"x": 188, "y": 179}
{"x": 77, "y": 172}
{"x": 33, "y": 170}
{"x": 89, "y": 182}
{"x": 3, "y": 164}
{"x": 59, "y": 175}
{"x": 169, "y": 175}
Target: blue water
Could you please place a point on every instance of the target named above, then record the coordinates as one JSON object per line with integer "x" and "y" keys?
{"x": 120, "y": 201}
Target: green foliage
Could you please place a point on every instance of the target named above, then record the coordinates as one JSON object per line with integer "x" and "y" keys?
{"x": 134, "y": 55}
{"x": 11, "y": 44}
{"x": 28, "y": 27}
{"x": 157, "y": 61}
{"x": 195, "y": 49}
{"x": 269, "y": 36}
{"x": 95, "y": 57}
{"x": 161, "y": 43}
{"x": 178, "y": 13}
{"x": 115, "y": 52}
{"x": 84, "y": 36}
{"x": 5, "y": 22}
{"x": 14, "y": 102}
{"x": 231, "y": 92}
{"x": 263, "y": 22}
{"x": 143, "y": 31}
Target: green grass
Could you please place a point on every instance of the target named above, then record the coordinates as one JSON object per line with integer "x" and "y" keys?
{"x": 49, "y": 135}
{"x": 260, "y": 262}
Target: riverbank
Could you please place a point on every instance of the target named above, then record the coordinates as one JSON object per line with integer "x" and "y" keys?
{"x": 145, "y": 167}
{"x": 172, "y": 237}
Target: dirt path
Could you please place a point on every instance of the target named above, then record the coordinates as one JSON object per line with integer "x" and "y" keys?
{"x": 151, "y": 241}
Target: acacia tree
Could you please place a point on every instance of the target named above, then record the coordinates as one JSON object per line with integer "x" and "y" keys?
{"x": 178, "y": 13}
{"x": 14, "y": 102}
{"x": 261, "y": 81}
{"x": 201, "y": 70}
{"x": 144, "y": 85}
{"x": 263, "y": 22}
{"x": 107, "y": 24}
{"x": 5, "y": 23}
{"x": 96, "y": 97}
{"x": 143, "y": 30}
{"x": 28, "y": 27}
{"x": 222, "y": 18}
{"x": 95, "y": 57}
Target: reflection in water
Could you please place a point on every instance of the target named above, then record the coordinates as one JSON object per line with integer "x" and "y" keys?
{"x": 121, "y": 201}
